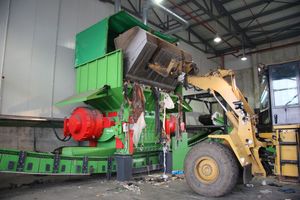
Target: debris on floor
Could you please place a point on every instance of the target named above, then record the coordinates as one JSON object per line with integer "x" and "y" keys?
{"x": 274, "y": 184}
{"x": 249, "y": 185}
{"x": 264, "y": 182}
{"x": 132, "y": 187}
{"x": 265, "y": 191}
{"x": 287, "y": 190}
{"x": 157, "y": 179}
{"x": 142, "y": 188}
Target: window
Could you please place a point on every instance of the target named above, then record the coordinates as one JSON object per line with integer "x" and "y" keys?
{"x": 284, "y": 83}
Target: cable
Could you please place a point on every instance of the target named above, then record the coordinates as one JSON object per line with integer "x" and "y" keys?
{"x": 65, "y": 139}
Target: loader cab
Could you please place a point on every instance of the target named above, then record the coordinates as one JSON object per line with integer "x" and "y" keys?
{"x": 279, "y": 99}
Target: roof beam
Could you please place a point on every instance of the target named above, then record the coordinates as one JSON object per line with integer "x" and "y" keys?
{"x": 264, "y": 41}
{"x": 267, "y": 23}
{"x": 268, "y": 12}
{"x": 214, "y": 17}
{"x": 189, "y": 42}
{"x": 205, "y": 42}
{"x": 283, "y": 28}
{"x": 251, "y": 5}
{"x": 226, "y": 1}
{"x": 222, "y": 11}
{"x": 281, "y": 37}
{"x": 274, "y": 21}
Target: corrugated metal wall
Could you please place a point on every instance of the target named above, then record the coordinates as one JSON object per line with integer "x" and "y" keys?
{"x": 37, "y": 52}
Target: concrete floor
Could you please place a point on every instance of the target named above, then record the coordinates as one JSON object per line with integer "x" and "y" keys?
{"x": 95, "y": 188}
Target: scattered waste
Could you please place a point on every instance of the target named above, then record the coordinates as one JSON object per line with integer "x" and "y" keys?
{"x": 249, "y": 185}
{"x": 265, "y": 191}
{"x": 177, "y": 172}
{"x": 264, "y": 182}
{"x": 132, "y": 187}
{"x": 274, "y": 184}
{"x": 177, "y": 177}
{"x": 287, "y": 190}
{"x": 165, "y": 176}
{"x": 115, "y": 190}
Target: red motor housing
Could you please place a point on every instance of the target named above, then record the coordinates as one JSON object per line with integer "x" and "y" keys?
{"x": 86, "y": 124}
{"x": 170, "y": 125}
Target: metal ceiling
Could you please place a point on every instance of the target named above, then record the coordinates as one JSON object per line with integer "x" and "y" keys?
{"x": 239, "y": 23}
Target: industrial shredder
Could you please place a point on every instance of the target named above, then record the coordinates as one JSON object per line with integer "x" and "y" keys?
{"x": 123, "y": 117}
{"x": 132, "y": 106}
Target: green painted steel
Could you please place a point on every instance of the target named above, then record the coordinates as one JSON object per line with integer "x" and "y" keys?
{"x": 99, "y": 83}
{"x": 98, "y": 40}
{"x": 90, "y": 151}
{"x": 179, "y": 150}
{"x": 181, "y": 146}
{"x": 104, "y": 99}
{"x": 106, "y": 70}
{"x": 91, "y": 43}
{"x": 44, "y": 163}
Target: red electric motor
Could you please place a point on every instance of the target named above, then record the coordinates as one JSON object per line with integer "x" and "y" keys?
{"x": 170, "y": 125}
{"x": 86, "y": 124}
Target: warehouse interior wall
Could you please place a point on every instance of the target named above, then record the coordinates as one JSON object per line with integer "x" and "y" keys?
{"x": 38, "y": 61}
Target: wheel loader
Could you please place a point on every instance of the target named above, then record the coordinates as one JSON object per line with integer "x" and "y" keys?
{"x": 262, "y": 143}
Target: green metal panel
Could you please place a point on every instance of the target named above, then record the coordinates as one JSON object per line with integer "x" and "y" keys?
{"x": 179, "y": 150}
{"x": 45, "y": 165}
{"x": 67, "y": 164}
{"x": 106, "y": 70}
{"x": 42, "y": 163}
{"x": 109, "y": 101}
{"x": 103, "y": 99}
{"x": 91, "y": 43}
{"x": 98, "y": 39}
{"x": 91, "y": 151}
{"x": 34, "y": 162}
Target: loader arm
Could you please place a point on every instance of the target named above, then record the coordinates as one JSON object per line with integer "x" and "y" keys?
{"x": 242, "y": 139}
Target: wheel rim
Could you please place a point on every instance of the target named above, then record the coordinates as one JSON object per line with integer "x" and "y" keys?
{"x": 206, "y": 170}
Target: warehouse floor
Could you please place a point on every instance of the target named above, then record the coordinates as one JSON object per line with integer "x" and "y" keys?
{"x": 150, "y": 187}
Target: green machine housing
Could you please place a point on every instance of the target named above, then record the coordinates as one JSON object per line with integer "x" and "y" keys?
{"x": 107, "y": 121}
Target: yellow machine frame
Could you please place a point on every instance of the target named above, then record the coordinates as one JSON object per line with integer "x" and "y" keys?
{"x": 242, "y": 138}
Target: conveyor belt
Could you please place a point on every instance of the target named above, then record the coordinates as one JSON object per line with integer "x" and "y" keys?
{"x": 16, "y": 161}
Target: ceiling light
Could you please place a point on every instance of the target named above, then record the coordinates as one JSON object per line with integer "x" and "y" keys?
{"x": 244, "y": 58}
{"x": 217, "y": 39}
{"x": 157, "y": 1}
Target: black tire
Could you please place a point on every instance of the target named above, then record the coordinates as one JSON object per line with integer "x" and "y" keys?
{"x": 228, "y": 170}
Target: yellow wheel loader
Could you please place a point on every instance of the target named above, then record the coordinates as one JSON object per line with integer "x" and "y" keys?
{"x": 212, "y": 168}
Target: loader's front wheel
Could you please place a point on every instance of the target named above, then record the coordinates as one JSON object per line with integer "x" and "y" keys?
{"x": 211, "y": 169}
